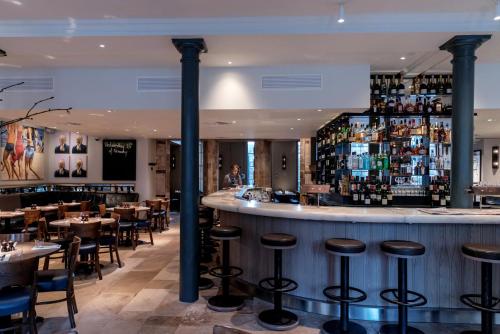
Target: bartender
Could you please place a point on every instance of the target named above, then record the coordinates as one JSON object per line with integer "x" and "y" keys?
{"x": 233, "y": 179}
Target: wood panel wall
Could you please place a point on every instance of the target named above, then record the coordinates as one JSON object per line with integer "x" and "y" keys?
{"x": 442, "y": 274}
{"x": 162, "y": 177}
{"x": 210, "y": 166}
{"x": 262, "y": 163}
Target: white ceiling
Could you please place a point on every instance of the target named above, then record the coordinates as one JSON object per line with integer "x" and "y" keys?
{"x": 137, "y": 33}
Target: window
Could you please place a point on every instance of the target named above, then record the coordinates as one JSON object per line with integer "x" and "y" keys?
{"x": 251, "y": 159}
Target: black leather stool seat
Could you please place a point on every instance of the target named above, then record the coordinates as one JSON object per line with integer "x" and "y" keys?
{"x": 223, "y": 232}
{"x": 402, "y": 248}
{"x": 278, "y": 240}
{"x": 486, "y": 252}
{"x": 345, "y": 246}
{"x": 204, "y": 222}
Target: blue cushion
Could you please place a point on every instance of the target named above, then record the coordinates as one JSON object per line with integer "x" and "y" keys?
{"x": 52, "y": 280}
{"x": 14, "y": 300}
{"x": 87, "y": 248}
{"x": 142, "y": 224}
{"x": 126, "y": 225}
{"x": 107, "y": 240}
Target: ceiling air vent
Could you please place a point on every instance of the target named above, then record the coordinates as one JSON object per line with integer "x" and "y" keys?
{"x": 30, "y": 84}
{"x": 292, "y": 81}
{"x": 158, "y": 84}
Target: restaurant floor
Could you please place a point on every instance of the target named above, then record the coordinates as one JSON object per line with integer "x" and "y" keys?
{"x": 142, "y": 297}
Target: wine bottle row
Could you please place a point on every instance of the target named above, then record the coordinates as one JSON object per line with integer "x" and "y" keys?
{"x": 393, "y": 85}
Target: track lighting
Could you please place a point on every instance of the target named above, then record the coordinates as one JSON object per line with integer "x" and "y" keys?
{"x": 341, "y": 18}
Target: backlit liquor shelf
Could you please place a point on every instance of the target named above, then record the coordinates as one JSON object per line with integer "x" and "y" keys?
{"x": 396, "y": 153}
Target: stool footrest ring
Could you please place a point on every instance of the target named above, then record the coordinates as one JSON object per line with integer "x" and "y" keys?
{"x": 469, "y": 300}
{"x": 329, "y": 292}
{"x": 416, "y": 299}
{"x": 219, "y": 272}
{"x": 269, "y": 284}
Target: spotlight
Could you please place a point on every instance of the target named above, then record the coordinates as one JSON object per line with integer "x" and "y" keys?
{"x": 497, "y": 14}
{"x": 341, "y": 18}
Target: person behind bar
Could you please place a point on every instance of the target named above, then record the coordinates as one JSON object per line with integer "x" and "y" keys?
{"x": 233, "y": 179}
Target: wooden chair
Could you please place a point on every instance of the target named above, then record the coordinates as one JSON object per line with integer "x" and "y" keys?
{"x": 18, "y": 293}
{"x": 85, "y": 206}
{"x": 89, "y": 233}
{"x": 31, "y": 218}
{"x": 61, "y": 280}
{"x": 64, "y": 240}
{"x": 127, "y": 224}
{"x": 110, "y": 238}
{"x": 167, "y": 212}
{"x": 102, "y": 210}
{"x": 61, "y": 209}
{"x": 73, "y": 214}
{"x": 156, "y": 214}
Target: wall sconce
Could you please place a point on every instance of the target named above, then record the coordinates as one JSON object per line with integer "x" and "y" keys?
{"x": 220, "y": 161}
{"x": 283, "y": 162}
{"x": 494, "y": 157}
{"x": 173, "y": 161}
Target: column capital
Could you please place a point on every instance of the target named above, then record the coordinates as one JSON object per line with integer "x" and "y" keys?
{"x": 182, "y": 44}
{"x": 468, "y": 42}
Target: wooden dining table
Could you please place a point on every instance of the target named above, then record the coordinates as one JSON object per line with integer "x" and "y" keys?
{"x": 42, "y": 208}
{"x": 137, "y": 208}
{"x": 7, "y": 216}
{"x": 68, "y": 221}
{"x": 28, "y": 250}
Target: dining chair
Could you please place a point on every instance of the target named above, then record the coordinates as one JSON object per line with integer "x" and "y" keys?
{"x": 89, "y": 233}
{"x": 127, "y": 224}
{"x": 85, "y": 205}
{"x": 31, "y": 218}
{"x": 18, "y": 293}
{"x": 156, "y": 214}
{"x": 61, "y": 209}
{"x": 62, "y": 239}
{"x": 109, "y": 238}
{"x": 61, "y": 280}
{"x": 102, "y": 210}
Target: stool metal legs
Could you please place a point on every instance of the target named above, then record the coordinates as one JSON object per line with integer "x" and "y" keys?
{"x": 278, "y": 319}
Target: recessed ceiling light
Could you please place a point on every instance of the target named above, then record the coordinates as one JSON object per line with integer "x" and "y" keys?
{"x": 154, "y": 130}
{"x": 497, "y": 14}
{"x": 102, "y": 46}
{"x": 14, "y": 2}
{"x": 110, "y": 110}
{"x": 299, "y": 119}
{"x": 169, "y": 136}
{"x": 490, "y": 119}
{"x": 50, "y": 57}
{"x": 341, "y": 18}
{"x": 292, "y": 129}
{"x": 234, "y": 122}
{"x": 229, "y": 62}
{"x": 127, "y": 130}
{"x": 77, "y": 132}
{"x": 403, "y": 58}
{"x": 320, "y": 110}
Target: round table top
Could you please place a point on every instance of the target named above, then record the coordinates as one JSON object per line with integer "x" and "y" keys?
{"x": 27, "y": 250}
{"x": 42, "y": 208}
{"x": 11, "y": 214}
{"x": 68, "y": 221}
{"x": 137, "y": 208}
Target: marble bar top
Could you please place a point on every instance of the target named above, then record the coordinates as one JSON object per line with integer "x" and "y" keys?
{"x": 225, "y": 200}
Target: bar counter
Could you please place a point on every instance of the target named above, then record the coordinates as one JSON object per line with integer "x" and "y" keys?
{"x": 442, "y": 274}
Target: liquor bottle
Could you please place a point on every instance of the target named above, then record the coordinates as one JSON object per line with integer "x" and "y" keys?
{"x": 415, "y": 87}
{"x": 420, "y": 105}
{"x": 383, "y": 86}
{"x": 438, "y": 106}
{"x": 448, "y": 88}
{"x": 399, "y": 106}
{"x": 367, "y": 195}
{"x": 393, "y": 88}
{"x": 432, "y": 86}
{"x": 440, "y": 86}
{"x": 372, "y": 78}
{"x": 401, "y": 87}
{"x": 376, "y": 87}
{"x": 391, "y": 105}
{"x": 429, "y": 108}
{"x": 389, "y": 195}
{"x": 423, "y": 87}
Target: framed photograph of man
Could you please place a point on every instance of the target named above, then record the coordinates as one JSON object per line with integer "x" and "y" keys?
{"x": 61, "y": 165}
{"x": 79, "y": 166}
{"x": 79, "y": 144}
{"x": 62, "y": 145}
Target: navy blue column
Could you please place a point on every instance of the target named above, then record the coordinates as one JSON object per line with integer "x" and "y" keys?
{"x": 463, "y": 48}
{"x": 189, "y": 257}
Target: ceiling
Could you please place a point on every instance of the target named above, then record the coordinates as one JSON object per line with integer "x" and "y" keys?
{"x": 137, "y": 34}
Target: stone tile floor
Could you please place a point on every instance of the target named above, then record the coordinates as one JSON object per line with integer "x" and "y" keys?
{"x": 142, "y": 297}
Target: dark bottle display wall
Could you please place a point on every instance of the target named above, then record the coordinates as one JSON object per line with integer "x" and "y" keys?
{"x": 396, "y": 153}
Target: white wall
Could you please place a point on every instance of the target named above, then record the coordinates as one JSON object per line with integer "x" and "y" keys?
{"x": 488, "y": 175}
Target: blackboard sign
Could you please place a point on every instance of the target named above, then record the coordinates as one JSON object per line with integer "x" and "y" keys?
{"x": 119, "y": 159}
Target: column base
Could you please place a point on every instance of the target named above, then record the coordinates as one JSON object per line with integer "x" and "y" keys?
{"x": 394, "y": 329}
{"x": 334, "y": 327}
{"x": 278, "y": 320}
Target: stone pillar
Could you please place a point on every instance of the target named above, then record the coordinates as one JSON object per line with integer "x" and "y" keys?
{"x": 210, "y": 166}
{"x": 262, "y": 163}
{"x": 190, "y": 248}
{"x": 463, "y": 48}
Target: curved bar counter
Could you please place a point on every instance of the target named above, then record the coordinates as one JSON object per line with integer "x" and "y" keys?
{"x": 442, "y": 274}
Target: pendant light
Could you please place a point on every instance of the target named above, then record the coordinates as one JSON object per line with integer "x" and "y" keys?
{"x": 341, "y": 18}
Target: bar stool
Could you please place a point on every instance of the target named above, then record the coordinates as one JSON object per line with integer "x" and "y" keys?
{"x": 278, "y": 319}
{"x": 225, "y": 302}
{"x": 205, "y": 226}
{"x": 345, "y": 248}
{"x": 402, "y": 250}
{"x": 487, "y": 255}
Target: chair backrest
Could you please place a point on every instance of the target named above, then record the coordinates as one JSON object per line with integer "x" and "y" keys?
{"x": 43, "y": 230}
{"x": 18, "y": 273}
{"x": 102, "y": 209}
{"x": 61, "y": 209}
{"x": 154, "y": 204}
{"x": 115, "y": 216}
{"x": 19, "y": 237}
{"x": 74, "y": 249}
{"x": 227, "y": 330}
{"x": 85, "y": 206}
{"x": 86, "y": 231}
{"x": 31, "y": 216}
{"x": 126, "y": 214}
{"x": 72, "y": 214}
